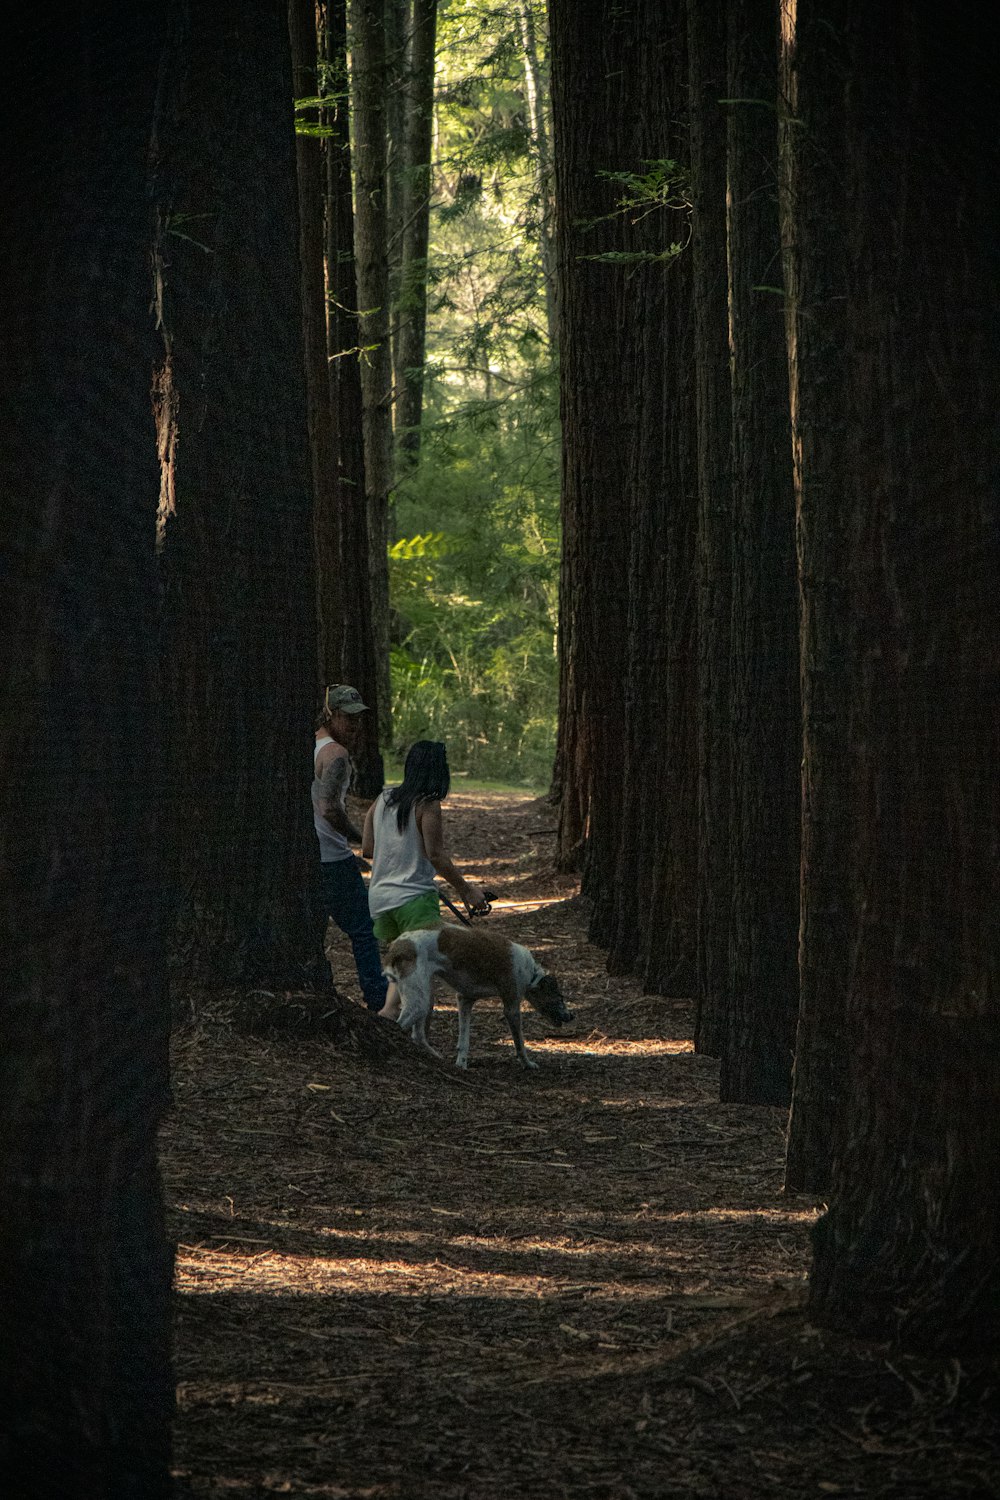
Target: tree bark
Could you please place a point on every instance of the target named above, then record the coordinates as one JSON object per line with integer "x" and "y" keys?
{"x": 398, "y": 23}
{"x": 85, "y": 1270}
{"x": 758, "y": 1034}
{"x": 588, "y": 103}
{"x": 707, "y": 69}
{"x": 322, "y": 432}
{"x": 814, "y": 83}
{"x": 651, "y": 900}
{"x": 369, "y": 80}
{"x": 416, "y": 232}
{"x": 348, "y": 649}
{"x": 908, "y": 1248}
{"x": 236, "y": 549}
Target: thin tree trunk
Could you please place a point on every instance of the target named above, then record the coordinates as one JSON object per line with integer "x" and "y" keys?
{"x": 85, "y": 1271}
{"x": 348, "y": 651}
{"x": 398, "y": 26}
{"x": 815, "y": 257}
{"x": 707, "y": 66}
{"x": 758, "y": 1036}
{"x": 535, "y": 91}
{"x": 369, "y": 90}
{"x": 236, "y": 548}
{"x": 908, "y": 1248}
{"x": 322, "y": 433}
{"x": 416, "y": 232}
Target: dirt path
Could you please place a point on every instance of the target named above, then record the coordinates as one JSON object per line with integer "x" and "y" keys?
{"x": 396, "y": 1280}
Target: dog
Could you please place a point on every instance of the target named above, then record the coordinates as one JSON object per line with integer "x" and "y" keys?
{"x": 474, "y": 964}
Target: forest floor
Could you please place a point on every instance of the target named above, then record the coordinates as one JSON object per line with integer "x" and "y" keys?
{"x": 398, "y": 1280}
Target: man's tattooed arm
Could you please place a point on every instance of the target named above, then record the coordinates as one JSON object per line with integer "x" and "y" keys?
{"x": 334, "y": 783}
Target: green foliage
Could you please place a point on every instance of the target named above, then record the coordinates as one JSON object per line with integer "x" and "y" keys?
{"x": 474, "y": 572}
{"x": 665, "y": 185}
{"x": 474, "y": 583}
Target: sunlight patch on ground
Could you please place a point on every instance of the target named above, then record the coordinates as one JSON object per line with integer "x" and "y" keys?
{"x": 605, "y": 1046}
{"x": 201, "y": 1272}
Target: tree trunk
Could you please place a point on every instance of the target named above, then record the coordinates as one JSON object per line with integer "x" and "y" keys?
{"x": 348, "y": 650}
{"x": 588, "y": 97}
{"x": 707, "y": 68}
{"x": 369, "y": 94}
{"x": 652, "y": 893}
{"x": 758, "y": 1035}
{"x": 85, "y": 1270}
{"x": 908, "y": 1248}
{"x": 398, "y": 22}
{"x": 416, "y": 232}
{"x": 322, "y": 433}
{"x": 535, "y": 91}
{"x": 815, "y": 259}
{"x": 236, "y": 546}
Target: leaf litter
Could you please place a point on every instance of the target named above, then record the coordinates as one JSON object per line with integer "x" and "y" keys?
{"x": 394, "y": 1280}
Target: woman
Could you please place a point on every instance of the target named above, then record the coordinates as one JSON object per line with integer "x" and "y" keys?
{"x": 404, "y": 839}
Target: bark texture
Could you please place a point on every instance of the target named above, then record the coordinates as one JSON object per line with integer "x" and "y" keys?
{"x": 814, "y": 85}
{"x": 369, "y": 86}
{"x": 589, "y": 106}
{"x": 907, "y": 1249}
{"x": 85, "y": 1270}
{"x": 627, "y": 589}
{"x": 348, "y": 650}
{"x": 416, "y": 231}
{"x": 758, "y": 1033}
{"x": 707, "y": 71}
{"x": 651, "y": 900}
{"x": 236, "y": 546}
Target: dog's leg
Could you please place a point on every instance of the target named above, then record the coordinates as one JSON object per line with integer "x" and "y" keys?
{"x": 512, "y": 1010}
{"x": 464, "y": 1030}
{"x": 416, "y": 1007}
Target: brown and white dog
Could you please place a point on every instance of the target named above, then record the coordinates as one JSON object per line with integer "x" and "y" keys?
{"x": 475, "y": 964}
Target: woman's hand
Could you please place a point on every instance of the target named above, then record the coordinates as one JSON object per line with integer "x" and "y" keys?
{"x": 476, "y": 901}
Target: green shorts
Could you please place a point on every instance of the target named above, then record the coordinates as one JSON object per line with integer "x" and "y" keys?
{"x": 420, "y": 911}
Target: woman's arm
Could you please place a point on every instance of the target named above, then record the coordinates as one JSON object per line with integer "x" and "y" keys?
{"x": 430, "y": 825}
{"x": 368, "y": 833}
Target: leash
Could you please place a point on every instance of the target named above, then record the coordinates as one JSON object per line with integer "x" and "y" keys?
{"x": 476, "y": 911}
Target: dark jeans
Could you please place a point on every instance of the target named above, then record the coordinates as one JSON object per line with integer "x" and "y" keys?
{"x": 343, "y": 897}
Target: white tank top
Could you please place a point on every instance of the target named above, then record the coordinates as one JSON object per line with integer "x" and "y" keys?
{"x": 332, "y": 845}
{"x": 400, "y": 868}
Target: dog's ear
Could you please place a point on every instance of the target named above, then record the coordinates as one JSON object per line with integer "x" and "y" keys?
{"x": 546, "y": 984}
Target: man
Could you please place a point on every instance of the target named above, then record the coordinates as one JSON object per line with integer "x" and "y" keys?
{"x": 342, "y": 891}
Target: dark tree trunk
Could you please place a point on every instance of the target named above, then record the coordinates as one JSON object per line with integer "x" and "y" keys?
{"x": 348, "y": 650}
{"x": 322, "y": 431}
{"x": 908, "y": 1248}
{"x": 590, "y": 102}
{"x": 85, "y": 1271}
{"x": 627, "y": 603}
{"x": 651, "y": 896}
{"x": 707, "y": 70}
{"x": 236, "y": 516}
{"x": 369, "y": 82}
{"x": 814, "y": 82}
{"x": 757, "y": 1036}
{"x": 416, "y": 232}
{"x": 397, "y": 22}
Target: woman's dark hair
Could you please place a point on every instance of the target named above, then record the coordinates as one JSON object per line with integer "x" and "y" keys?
{"x": 426, "y": 778}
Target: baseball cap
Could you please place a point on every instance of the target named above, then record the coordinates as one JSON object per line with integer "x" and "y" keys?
{"x": 343, "y": 699}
